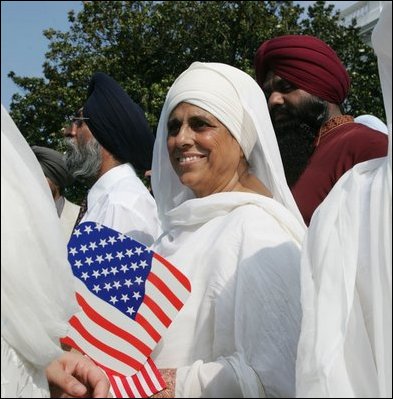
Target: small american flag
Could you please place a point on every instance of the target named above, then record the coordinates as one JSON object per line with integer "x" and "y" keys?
{"x": 128, "y": 295}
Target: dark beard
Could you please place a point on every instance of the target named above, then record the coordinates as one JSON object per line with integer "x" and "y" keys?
{"x": 296, "y": 129}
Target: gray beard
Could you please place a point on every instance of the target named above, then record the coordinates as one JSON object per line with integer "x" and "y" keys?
{"x": 83, "y": 160}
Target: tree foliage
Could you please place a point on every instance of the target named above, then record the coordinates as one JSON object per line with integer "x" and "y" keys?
{"x": 145, "y": 45}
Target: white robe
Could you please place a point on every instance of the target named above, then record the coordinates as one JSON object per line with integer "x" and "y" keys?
{"x": 237, "y": 333}
{"x": 37, "y": 290}
{"x": 345, "y": 346}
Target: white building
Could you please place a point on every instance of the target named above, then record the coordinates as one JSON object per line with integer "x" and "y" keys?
{"x": 366, "y": 13}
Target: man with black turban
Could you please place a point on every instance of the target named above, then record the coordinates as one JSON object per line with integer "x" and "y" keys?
{"x": 108, "y": 143}
{"x": 58, "y": 177}
{"x": 305, "y": 84}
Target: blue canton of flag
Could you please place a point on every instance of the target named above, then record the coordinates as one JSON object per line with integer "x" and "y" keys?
{"x": 113, "y": 267}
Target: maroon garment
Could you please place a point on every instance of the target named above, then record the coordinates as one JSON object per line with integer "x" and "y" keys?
{"x": 338, "y": 151}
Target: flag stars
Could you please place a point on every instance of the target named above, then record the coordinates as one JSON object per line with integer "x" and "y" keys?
{"x": 99, "y": 259}
{"x": 88, "y": 229}
{"x": 138, "y": 280}
{"x": 129, "y": 253}
{"x": 121, "y": 237}
{"x": 116, "y": 285}
{"x": 149, "y": 249}
{"x": 143, "y": 264}
{"x": 136, "y": 295}
{"x": 114, "y": 270}
{"x": 77, "y": 232}
{"x": 73, "y": 251}
{"x": 96, "y": 274}
{"x": 124, "y": 268}
{"x": 98, "y": 227}
{"x": 103, "y": 243}
{"x": 113, "y": 299}
{"x": 138, "y": 250}
{"x": 105, "y": 271}
{"x": 124, "y": 298}
{"x": 88, "y": 260}
{"x": 83, "y": 248}
{"x": 134, "y": 266}
{"x": 96, "y": 288}
{"x": 108, "y": 257}
{"x": 85, "y": 276}
{"x": 112, "y": 239}
{"x": 128, "y": 282}
{"x": 119, "y": 255}
{"x": 107, "y": 286}
{"x": 78, "y": 264}
{"x": 131, "y": 311}
{"x": 92, "y": 245}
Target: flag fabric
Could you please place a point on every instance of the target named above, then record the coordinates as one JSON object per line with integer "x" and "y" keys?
{"x": 128, "y": 296}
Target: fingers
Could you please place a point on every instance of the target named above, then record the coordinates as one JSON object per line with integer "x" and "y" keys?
{"x": 64, "y": 381}
{"x": 99, "y": 383}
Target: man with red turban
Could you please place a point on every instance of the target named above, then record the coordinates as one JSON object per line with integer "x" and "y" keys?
{"x": 305, "y": 84}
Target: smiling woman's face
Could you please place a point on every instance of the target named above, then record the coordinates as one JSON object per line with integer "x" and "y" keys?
{"x": 202, "y": 151}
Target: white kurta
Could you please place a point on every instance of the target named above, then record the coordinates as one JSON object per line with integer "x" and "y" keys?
{"x": 345, "y": 346}
{"x": 237, "y": 333}
{"x": 121, "y": 201}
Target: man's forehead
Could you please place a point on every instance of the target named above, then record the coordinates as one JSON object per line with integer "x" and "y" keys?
{"x": 271, "y": 78}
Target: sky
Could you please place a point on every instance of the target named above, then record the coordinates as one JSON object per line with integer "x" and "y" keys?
{"x": 23, "y": 45}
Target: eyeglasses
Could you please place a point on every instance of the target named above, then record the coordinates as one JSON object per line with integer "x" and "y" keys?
{"x": 78, "y": 120}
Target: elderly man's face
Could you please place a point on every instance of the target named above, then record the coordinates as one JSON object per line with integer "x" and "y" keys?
{"x": 83, "y": 152}
{"x": 202, "y": 151}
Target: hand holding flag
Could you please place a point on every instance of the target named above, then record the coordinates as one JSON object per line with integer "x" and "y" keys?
{"x": 129, "y": 295}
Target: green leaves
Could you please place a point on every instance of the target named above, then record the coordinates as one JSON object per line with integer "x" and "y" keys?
{"x": 145, "y": 45}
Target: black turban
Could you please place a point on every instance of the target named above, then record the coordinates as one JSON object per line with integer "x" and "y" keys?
{"x": 118, "y": 123}
{"x": 53, "y": 166}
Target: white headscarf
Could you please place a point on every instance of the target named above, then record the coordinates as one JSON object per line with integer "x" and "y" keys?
{"x": 37, "y": 292}
{"x": 237, "y": 101}
{"x": 345, "y": 346}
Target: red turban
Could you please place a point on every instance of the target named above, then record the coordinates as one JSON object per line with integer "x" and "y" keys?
{"x": 306, "y": 62}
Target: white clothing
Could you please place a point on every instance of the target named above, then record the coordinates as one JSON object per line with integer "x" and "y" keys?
{"x": 345, "y": 346}
{"x": 120, "y": 200}
{"x": 19, "y": 378}
{"x": 240, "y": 326}
{"x": 237, "y": 334}
{"x": 68, "y": 217}
{"x": 37, "y": 289}
{"x": 373, "y": 122}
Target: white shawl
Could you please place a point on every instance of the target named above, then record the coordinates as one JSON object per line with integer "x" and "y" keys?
{"x": 345, "y": 347}
{"x": 37, "y": 292}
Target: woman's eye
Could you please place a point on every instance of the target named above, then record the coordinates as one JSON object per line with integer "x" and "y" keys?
{"x": 199, "y": 124}
{"x": 173, "y": 128}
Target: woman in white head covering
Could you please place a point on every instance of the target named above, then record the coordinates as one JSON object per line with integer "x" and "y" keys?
{"x": 231, "y": 225}
{"x": 345, "y": 346}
